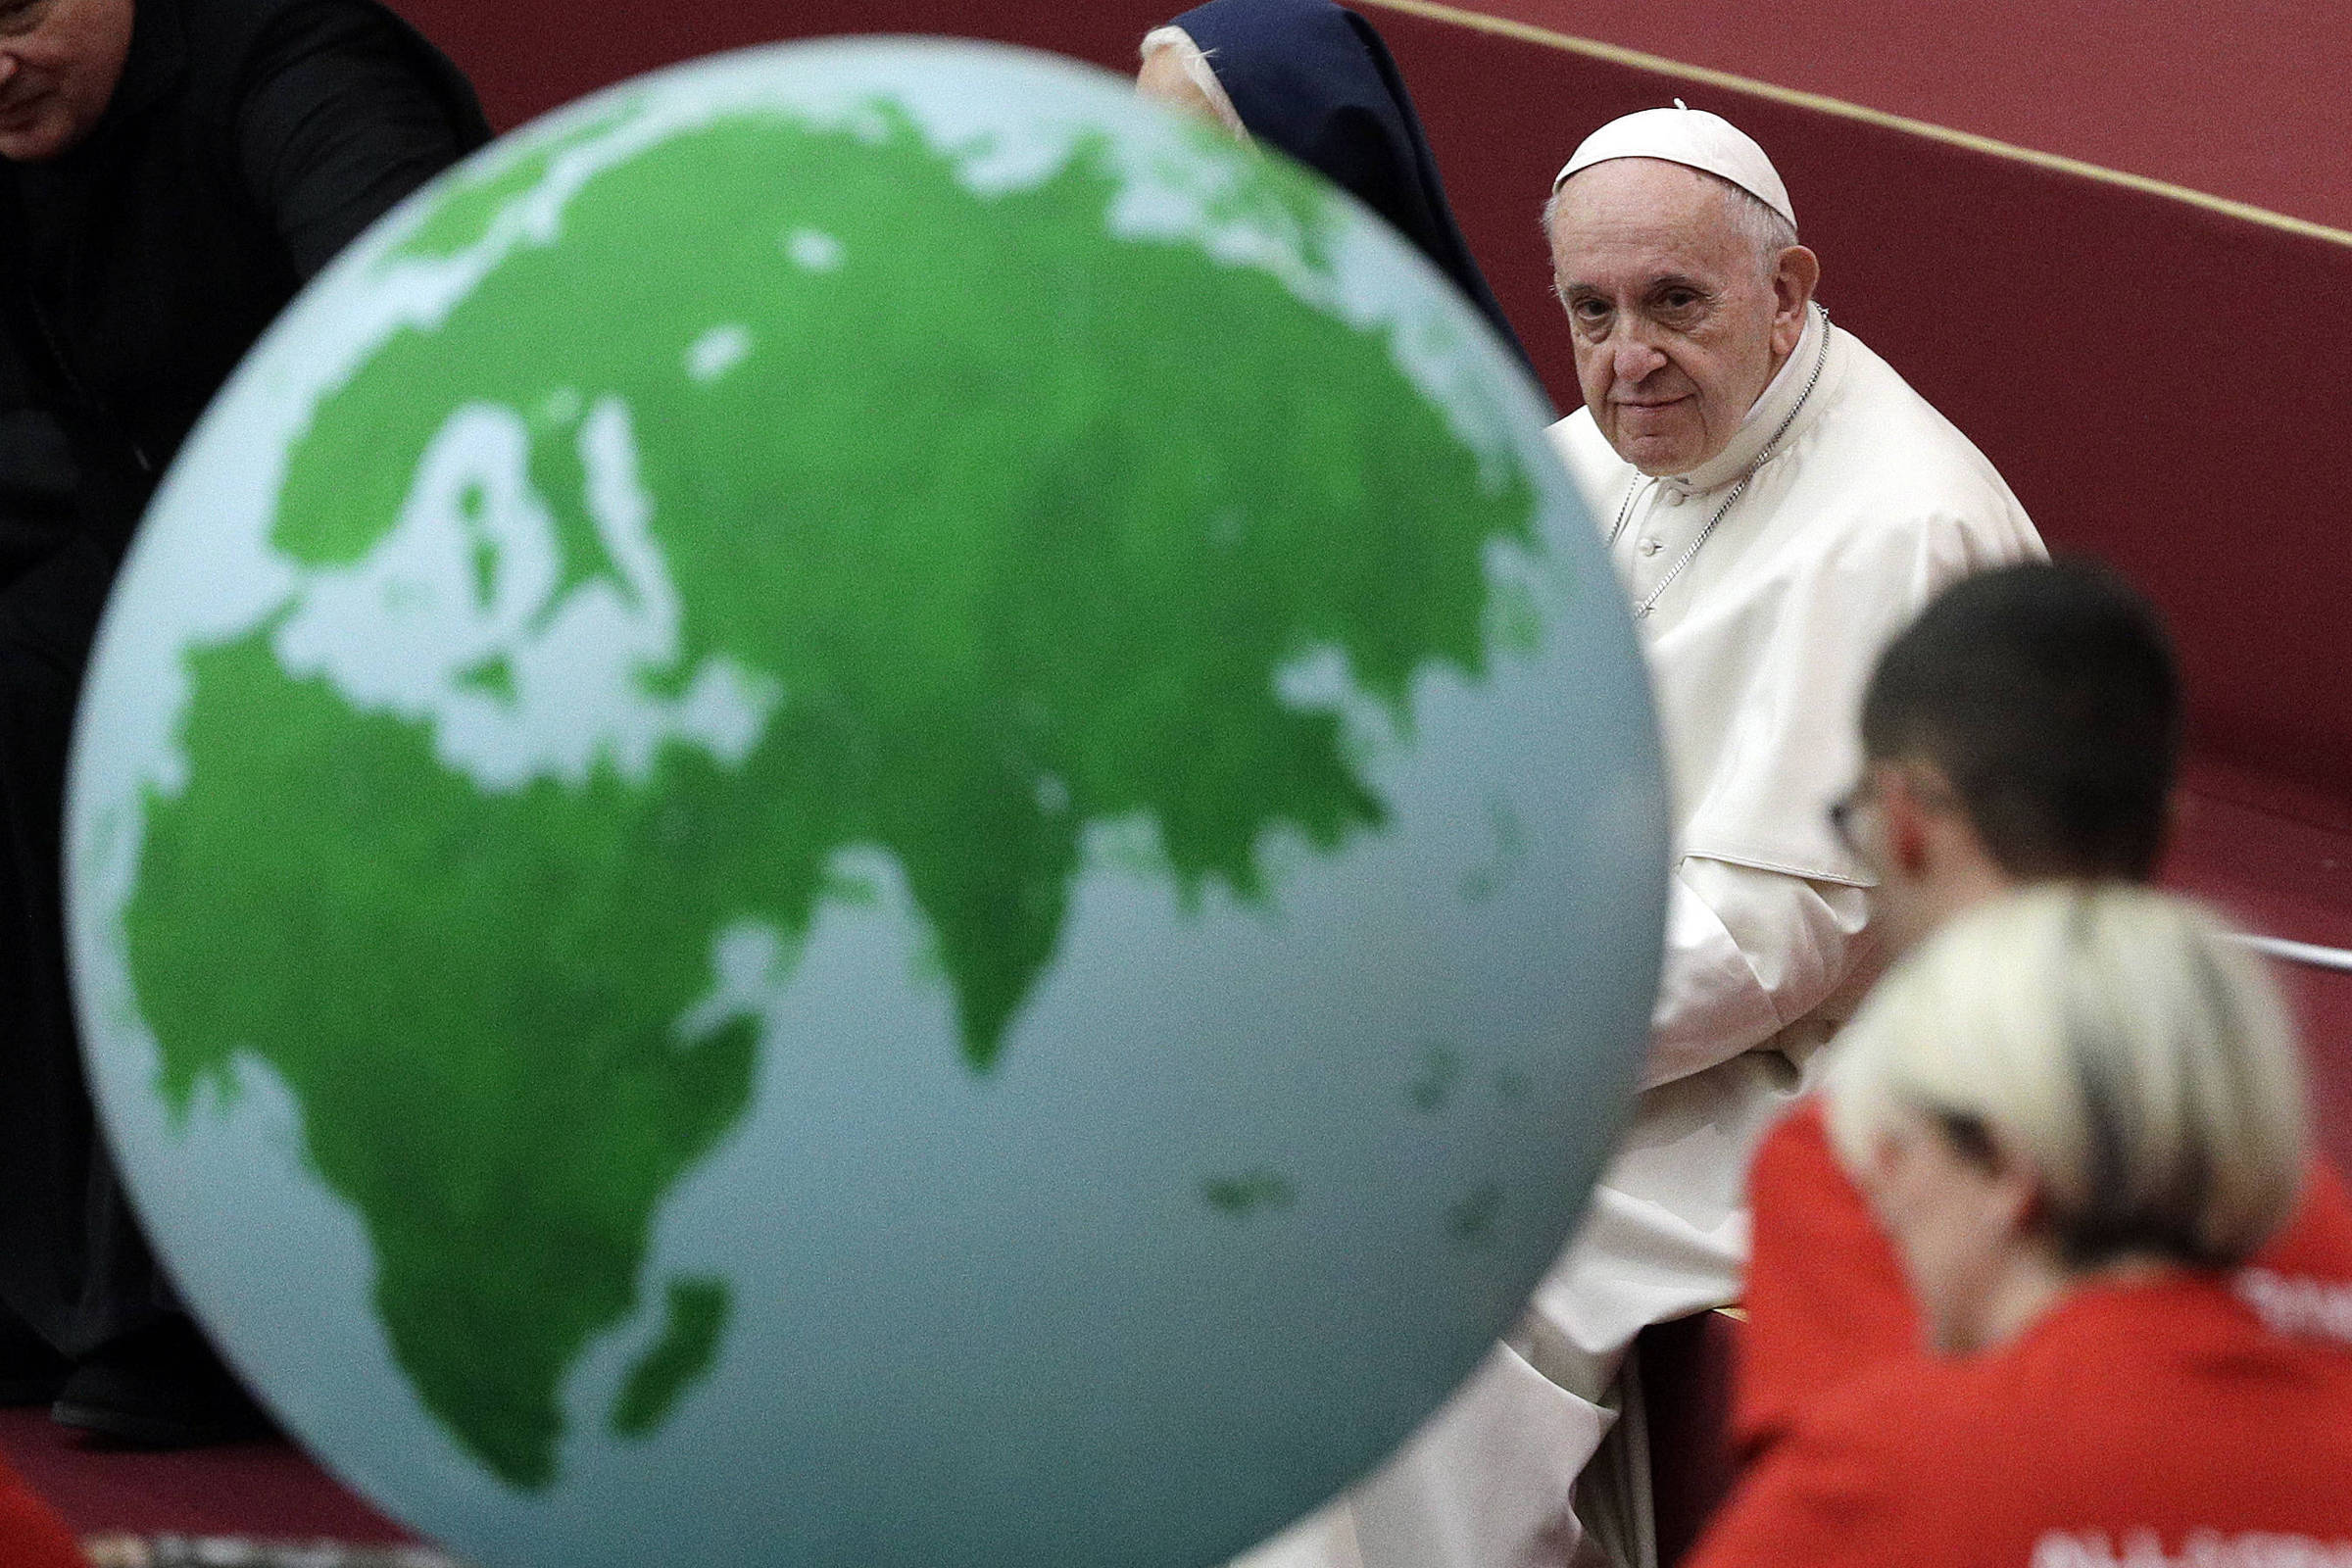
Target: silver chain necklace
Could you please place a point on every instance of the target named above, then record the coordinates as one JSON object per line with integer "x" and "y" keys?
{"x": 1625, "y": 512}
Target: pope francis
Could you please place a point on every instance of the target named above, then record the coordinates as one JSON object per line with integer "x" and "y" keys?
{"x": 1779, "y": 504}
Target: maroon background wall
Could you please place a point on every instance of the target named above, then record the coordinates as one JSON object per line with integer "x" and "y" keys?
{"x": 2166, "y": 387}
{"x": 2246, "y": 102}
{"x": 527, "y": 56}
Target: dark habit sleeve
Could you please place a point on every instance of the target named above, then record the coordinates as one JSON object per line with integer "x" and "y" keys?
{"x": 338, "y": 125}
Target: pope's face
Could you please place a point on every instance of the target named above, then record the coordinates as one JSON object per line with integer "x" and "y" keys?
{"x": 1678, "y": 326}
{"x": 59, "y": 63}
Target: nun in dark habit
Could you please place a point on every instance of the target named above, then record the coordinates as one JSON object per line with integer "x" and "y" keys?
{"x": 1313, "y": 80}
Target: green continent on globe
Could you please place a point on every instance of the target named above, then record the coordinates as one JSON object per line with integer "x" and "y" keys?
{"x": 994, "y": 524}
{"x": 698, "y": 1312}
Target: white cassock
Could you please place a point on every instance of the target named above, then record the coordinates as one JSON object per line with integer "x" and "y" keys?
{"x": 1759, "y": 650}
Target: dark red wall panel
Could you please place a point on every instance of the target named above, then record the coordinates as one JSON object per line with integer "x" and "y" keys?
{"x": 2164, "y": 387}
{"x": 527, "y": 56}
{"x": 2243, "y": 101}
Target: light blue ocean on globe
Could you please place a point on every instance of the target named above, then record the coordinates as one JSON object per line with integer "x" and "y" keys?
{"x": 865, "y": 809}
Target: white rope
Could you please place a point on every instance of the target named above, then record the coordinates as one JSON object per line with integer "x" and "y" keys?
{"x": 2319, "y": 958}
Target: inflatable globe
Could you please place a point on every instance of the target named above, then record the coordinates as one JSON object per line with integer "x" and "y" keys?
{"x": 865, "y": 808}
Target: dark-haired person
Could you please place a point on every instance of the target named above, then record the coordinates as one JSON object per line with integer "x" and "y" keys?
{"x": 171, "y": 173}
{"x": 2024, "y": 729}
{"x": 1315, "y": 81}
{"x": 2075, "y": 1109}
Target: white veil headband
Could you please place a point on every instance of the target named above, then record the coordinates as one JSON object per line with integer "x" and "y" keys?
{"x": 1197, "y": 71}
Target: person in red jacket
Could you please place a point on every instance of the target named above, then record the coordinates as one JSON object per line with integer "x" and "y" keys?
{"x": 2075, "y": 1110}
{"x": 2024, "y": 728}
{"x": 32, "y": 1535}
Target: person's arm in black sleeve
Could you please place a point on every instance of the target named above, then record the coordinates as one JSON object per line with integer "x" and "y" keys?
{"x": 338, "y": 124}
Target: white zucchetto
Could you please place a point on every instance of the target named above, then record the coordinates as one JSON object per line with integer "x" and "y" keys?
{"x": 1694, "y": 138}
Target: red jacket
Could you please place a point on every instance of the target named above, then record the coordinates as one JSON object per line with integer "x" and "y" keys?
{"x": 2152, "y": 1425}
{"x": 30, "y": 1535}
{"x": 1826, "y": 1299}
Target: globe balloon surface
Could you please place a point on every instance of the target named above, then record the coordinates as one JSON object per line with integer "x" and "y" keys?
{"x": 864, "y": 808}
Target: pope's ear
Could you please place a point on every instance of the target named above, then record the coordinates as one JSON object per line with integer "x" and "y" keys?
{"x": 1793, "y": 283}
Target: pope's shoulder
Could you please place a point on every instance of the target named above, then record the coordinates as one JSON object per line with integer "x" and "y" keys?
{"x": 1883, "y": 477}
{"x": 1888, "y": 438}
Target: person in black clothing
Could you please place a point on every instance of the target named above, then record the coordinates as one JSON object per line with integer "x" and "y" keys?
{"x": 172, "y": 171}
{"x": 1315, "y": 81}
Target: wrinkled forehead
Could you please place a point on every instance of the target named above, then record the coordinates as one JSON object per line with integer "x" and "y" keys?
{"x": 1644, "y": 215}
